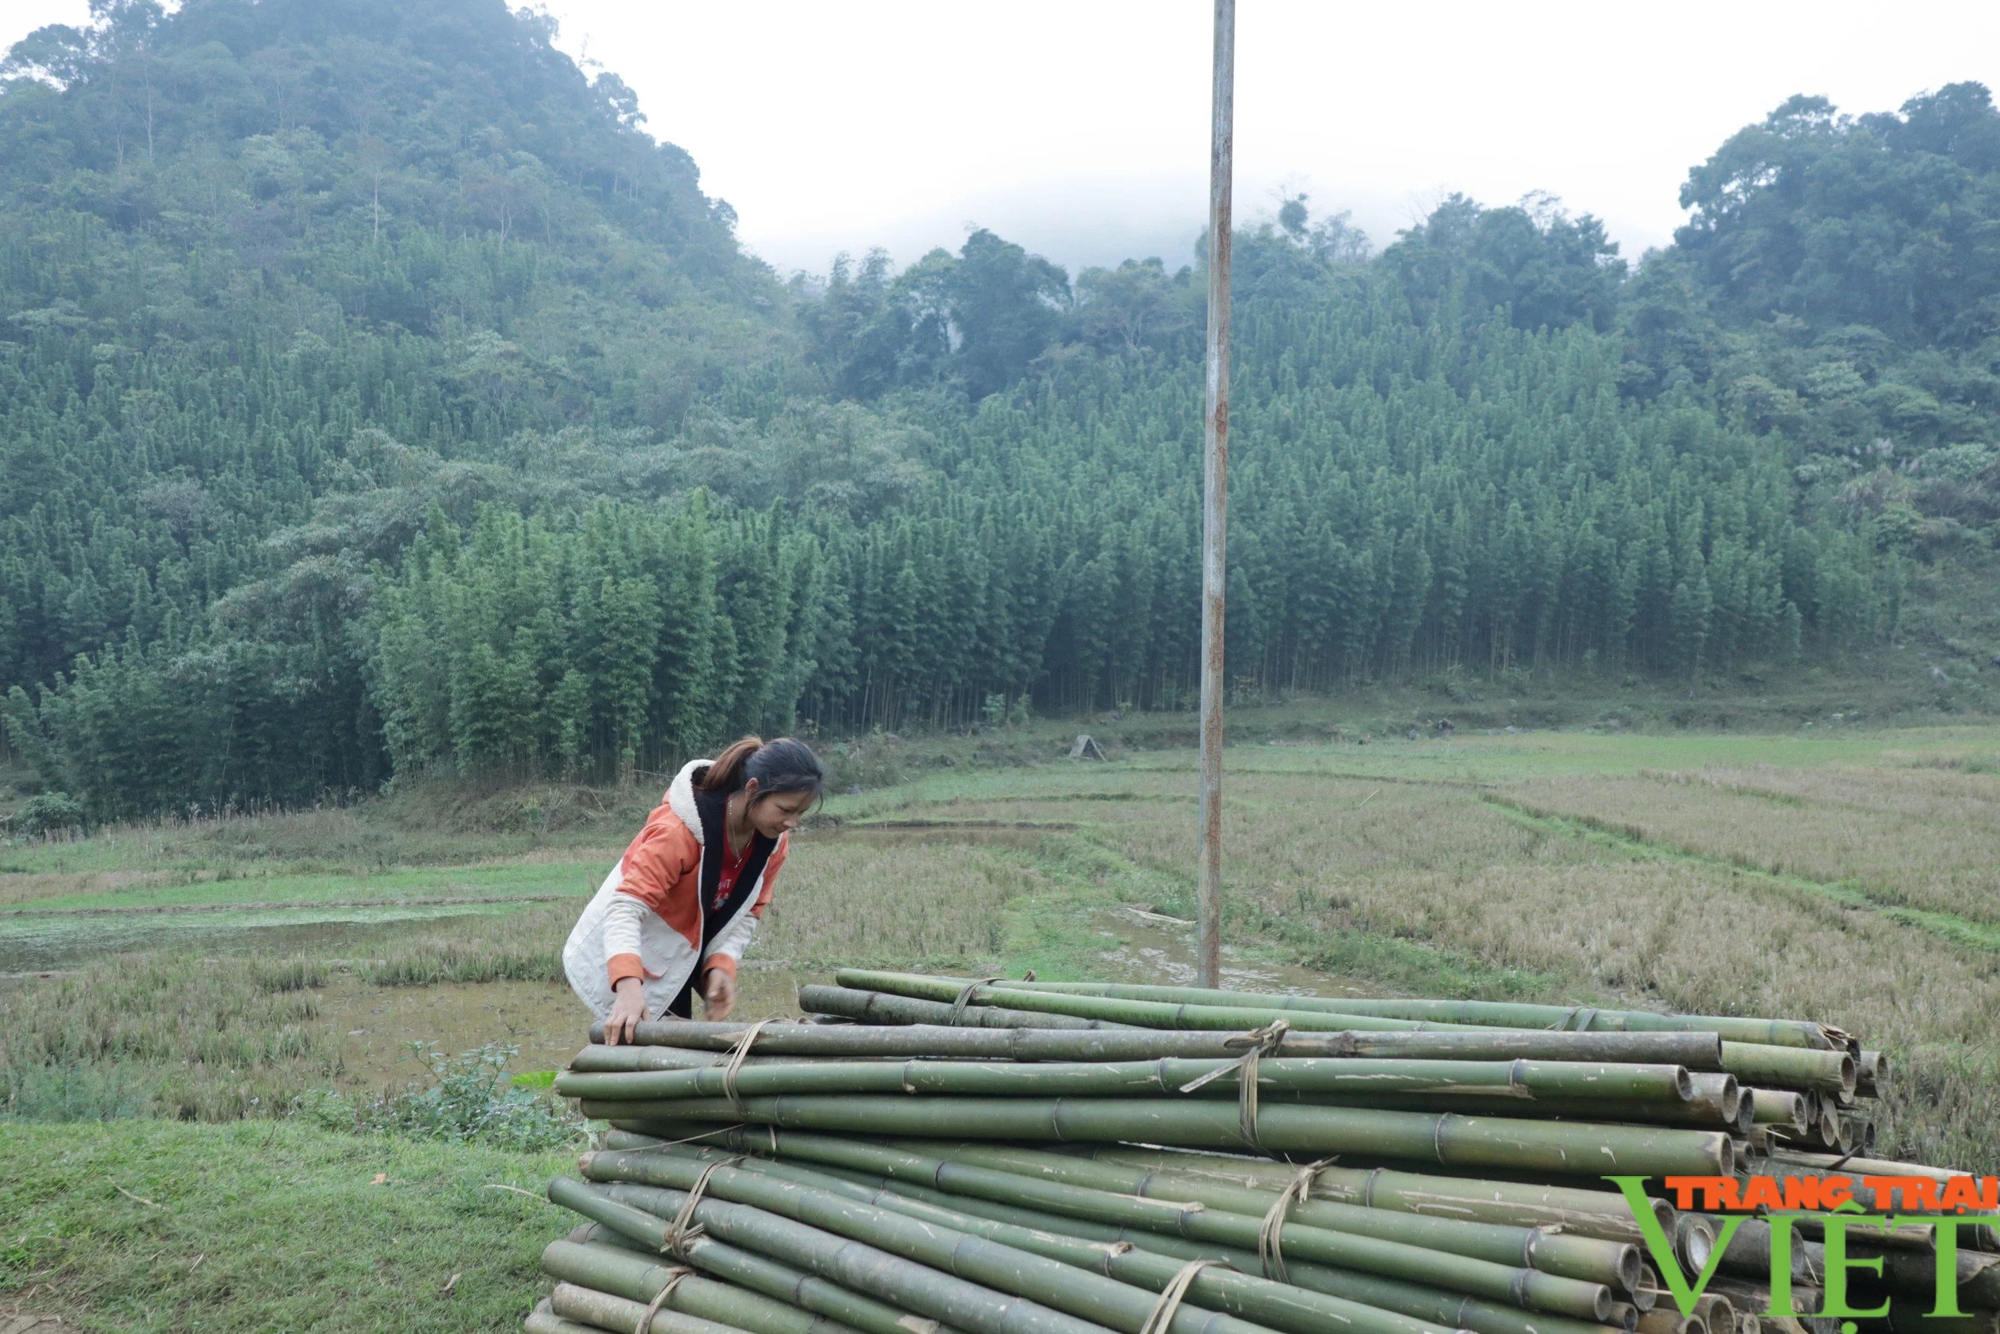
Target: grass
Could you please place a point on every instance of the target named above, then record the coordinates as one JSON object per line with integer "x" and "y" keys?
{"x": 522, "y": 946}
{"x": 1923, "y": 838}
{"x": 1841, "y": 872}
{"x": 165, "y": 1036}
{"x": 161, "y": 1225}
{"x": 428, "y": 825}
{"x": 900, "y": 903}
{"x": 1410, "y": 867}
{"x": 49, "y": 893}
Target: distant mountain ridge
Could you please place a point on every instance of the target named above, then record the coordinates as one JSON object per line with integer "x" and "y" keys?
{"x": 378, "y": 399}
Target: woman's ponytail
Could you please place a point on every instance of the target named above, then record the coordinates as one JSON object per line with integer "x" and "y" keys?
{"x": 784, "y": 765}
{"x": 725, "y": 771}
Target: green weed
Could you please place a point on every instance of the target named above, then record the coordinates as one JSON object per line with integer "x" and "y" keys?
{"x": 467, "y": 1098}
{"x": 524, "y": 946}
{"x": 297, "y": 973}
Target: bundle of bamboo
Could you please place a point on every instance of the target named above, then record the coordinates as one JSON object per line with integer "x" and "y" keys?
{"x": 942, "y": 1154}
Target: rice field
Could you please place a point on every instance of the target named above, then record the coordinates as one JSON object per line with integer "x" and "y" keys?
{"x": 230, "y": 975}
{"x": 1850, "y": 875}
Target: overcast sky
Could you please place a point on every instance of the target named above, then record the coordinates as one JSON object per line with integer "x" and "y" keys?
{"x": 1080, "y": 127}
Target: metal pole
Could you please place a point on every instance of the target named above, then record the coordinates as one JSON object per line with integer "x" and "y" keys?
{"x": 1215, "y": 500}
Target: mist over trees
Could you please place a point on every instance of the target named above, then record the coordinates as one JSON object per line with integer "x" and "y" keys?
{"x": 378, "y": 398}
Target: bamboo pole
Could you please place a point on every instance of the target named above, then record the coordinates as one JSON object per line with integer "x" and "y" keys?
{"x": 1916, "y": 1274}
{"x": 1420, "y": 1301}
{"x": 1872, "y": 1071}
{"x": 1503, "y": 1014}
{"x": 772, "y": 1297}
{"x": 995, "y": 1173}
{"x": 1721, "y": 1096}
{"x": 850, "y": 1264}
{"x": 1138, "y": 1013}
{"x": 989, "y": 1134}
{"x": 1590, "y": 1213}
{"x": 746, "y": 1297}
{"x": 591, "y": 1308}
{"x": 1669, "y": 1320}
{"x": 544, "y": 1320}
{"x": 1761, "y": 1064}
{"x": 1614, "y": 1264}
{"x": 1277, "y": 1304}
{"x": 878, "y": 1007}
{"x": 1684, "y": 1114}
{"x": 1445, "y": 1139}
{"x": 1753, "y": 1293}
{"x": 627, "y": 1057}
{"x": 1780, "y": 1109}
{"x": 1801, "y": 1162}
{"x": 1571, "y": 1084}
{"x": 1496, "y": 1282}
{"x": 1914, "y": 1317}
{"x": 786, "y": 1288}
{"x": 984, "y": 1265}
{"x": 1694, "y": 1242}
{"x": 1748, "y": 1255}
{"x": 1715, "y": 1313}
{"x": 1695, "y": 1051}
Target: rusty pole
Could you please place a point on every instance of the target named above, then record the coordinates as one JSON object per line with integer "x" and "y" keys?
{"x": 1215, "y": 501}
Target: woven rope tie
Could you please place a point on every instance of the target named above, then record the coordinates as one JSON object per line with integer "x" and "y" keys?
{"x": 965, "y": 999}
{"x": 1162, "y": 1314}
{"x": 734, "y": 1066}
{"x": 1271, "y": 1235}
{"x": 1261, "y": 1041}
{"x": 684, "y": 1229}
{"x": 1577, "y": 1019}
{"x": 674, "y": 1277}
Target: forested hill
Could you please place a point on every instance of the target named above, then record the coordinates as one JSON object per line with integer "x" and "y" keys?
{"x": 378, "y": 398}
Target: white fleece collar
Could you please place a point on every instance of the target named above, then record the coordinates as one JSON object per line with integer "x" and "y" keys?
{"x": 680, "y": 798}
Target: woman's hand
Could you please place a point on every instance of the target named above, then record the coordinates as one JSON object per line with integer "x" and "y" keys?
{"x": 718, "y": 994}
{"x": 628, "y": 1011}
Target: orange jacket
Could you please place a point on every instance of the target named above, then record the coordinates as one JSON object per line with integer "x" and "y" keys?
{"x": 647, "y": 919}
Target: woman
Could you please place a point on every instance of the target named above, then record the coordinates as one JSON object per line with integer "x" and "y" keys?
{"x": 683, "y": 902}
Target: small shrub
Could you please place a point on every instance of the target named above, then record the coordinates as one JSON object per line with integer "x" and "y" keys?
{"x": 45, "y": 814}
{"x": 470, "y": 1098}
